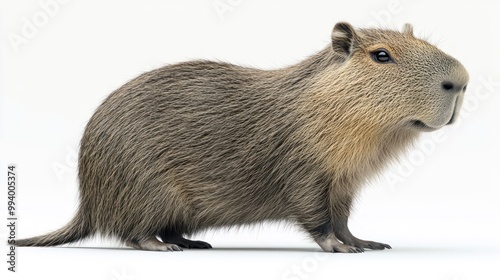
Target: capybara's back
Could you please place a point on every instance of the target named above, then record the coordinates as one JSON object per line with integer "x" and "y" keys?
{"x": 202, "y": 144}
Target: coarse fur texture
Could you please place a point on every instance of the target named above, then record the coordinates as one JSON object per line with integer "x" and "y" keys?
{"x": 202, "y": 144}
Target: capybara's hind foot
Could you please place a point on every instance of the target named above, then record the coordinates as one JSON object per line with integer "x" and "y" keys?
{"x": 192, "y": 244}
{"x": 170, "y": 236}
{"x": 185, "y": 243}
{"x": 152, "y": 244}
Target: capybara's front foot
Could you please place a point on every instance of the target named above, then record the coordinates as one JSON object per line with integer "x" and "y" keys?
{"x": 368, "y": 244}
{"x": 345, "y": 235}
{"x": 330, "y": 243}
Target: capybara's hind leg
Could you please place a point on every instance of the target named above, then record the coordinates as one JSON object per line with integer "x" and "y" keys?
{"x": 152, "y": 244}
{"x": 168, "y": 236}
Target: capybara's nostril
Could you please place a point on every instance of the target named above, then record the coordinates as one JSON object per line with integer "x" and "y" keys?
{"x": 447, "y": 86}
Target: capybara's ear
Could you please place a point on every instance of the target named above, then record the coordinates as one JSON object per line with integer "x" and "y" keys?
{"x": 408, "y": 29}
{"x": 344, "y": 39}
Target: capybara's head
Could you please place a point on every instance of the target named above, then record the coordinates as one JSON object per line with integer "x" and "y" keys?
{"x": 401, "y": 80}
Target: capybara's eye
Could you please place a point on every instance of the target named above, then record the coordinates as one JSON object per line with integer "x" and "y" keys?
{"x": 381, "y": 56}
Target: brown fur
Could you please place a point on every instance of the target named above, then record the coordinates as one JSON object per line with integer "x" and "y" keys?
{"x": 202, "y": 144}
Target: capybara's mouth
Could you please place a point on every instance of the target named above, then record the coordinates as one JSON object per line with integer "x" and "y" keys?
{"x": 421, "y": 126}
{"x": 452, "y": 119}
{"x": 454, "y": 116}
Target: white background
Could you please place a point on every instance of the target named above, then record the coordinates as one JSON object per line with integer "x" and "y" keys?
{"x": 438, "y": 208}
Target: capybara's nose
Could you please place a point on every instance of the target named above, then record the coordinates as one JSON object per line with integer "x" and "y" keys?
{"x": 453, "y": 87}
{"x": 456, "y": 80}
